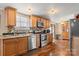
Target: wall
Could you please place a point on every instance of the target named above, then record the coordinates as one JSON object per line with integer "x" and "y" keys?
{"x": 3, "y": 27}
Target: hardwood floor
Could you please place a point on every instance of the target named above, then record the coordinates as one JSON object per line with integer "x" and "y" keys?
{"x": 62, "y": 48}
{"x": 59, "y": 48}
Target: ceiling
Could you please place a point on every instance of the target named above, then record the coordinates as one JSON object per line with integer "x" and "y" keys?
{"x": 42, "y": 9}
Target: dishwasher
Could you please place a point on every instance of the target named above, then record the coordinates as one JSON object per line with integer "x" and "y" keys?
{"x": 32, "y": 42}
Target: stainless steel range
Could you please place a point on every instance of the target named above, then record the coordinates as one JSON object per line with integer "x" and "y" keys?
{"x": 43, "y": 38}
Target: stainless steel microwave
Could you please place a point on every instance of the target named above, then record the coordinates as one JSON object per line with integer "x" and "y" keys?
{"x": 40, "y": 24}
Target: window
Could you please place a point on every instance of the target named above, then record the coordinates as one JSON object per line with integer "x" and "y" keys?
{"x": 22, "y": 21}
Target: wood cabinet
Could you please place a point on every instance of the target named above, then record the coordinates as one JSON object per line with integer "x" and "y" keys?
{"x": 0, "y": 47}
{"x": 34, "y": 21}
{"x": 45, "y": 23}
{"x": 65, "y": 35}
{"x": 22, "y": 45}
{"x": 49, "y": 23}
{"x": 10, "y": 14}
{"x": 15, "y": 46}
{"x": 9, "y": 47}
{"x": 65, "y": 30}
{"x": 65, "y": 26}
{"x": 49, "y": 38}
{"x": 37, "y": 40}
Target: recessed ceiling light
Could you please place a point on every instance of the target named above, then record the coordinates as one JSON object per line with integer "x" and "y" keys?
{"x": 62, "y": 23}
{"x": 52, "y": 11}
{"x": 29, "y": 10}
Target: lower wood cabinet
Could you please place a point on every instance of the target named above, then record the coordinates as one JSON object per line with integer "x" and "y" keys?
{"x": 37, "y": 40}
{"x": 65, "y": 35}
{"x": 0, "y": 47}
{"x": 22, "y": 45}
{"x": 49, "y": 38}
{"x": 9, "y": 47}
{"x": 15, "y": 46}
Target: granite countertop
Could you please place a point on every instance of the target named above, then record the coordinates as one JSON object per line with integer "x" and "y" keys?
{"x": 14, "y": 36}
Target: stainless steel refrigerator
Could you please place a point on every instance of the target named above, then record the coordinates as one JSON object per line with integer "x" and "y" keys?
{"x": 74, "y": 36}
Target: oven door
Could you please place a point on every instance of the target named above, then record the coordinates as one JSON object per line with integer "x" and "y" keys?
{"x": 43, "y": 40}
{"x": 43, "y": 37}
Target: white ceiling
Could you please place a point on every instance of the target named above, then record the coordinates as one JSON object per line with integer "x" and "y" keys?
{"x": 64, "y": 9}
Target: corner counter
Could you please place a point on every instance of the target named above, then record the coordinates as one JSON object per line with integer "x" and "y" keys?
{"x": 13, "y": 45}
{"x": 14, "y": 36}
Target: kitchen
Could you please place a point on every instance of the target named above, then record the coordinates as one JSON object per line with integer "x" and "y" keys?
{"x": 26, "y": 30}
{"x": 23, "y": 32}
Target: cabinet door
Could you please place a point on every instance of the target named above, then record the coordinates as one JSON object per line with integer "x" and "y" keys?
{"x": 65, "y": 32}
{"x": 9, "y": 47}
{"x": 49, "y": 38}
{"x": 34, "y": 21}
{"x": 65, "y": 35}
{"x": 49, "y": 23}
{"x": 22, "y": 46}
{"x": 0, "y": 47}
{"x": 45, "y": 23}
{"x": 37, "y": 40}
{"x": 10, "y": 16}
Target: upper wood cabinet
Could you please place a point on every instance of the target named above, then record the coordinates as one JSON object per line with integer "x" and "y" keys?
{"x": 34, "y": 21}
{"x": 45, "y": 23}
{"x": 50, "y": 23}
{"x": 10, "y": 14}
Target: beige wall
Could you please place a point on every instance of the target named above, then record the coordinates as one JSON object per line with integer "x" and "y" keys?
{"x": 3, "y": 27}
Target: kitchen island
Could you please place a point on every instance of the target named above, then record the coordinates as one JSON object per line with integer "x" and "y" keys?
{"x": 13, "y": 45}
